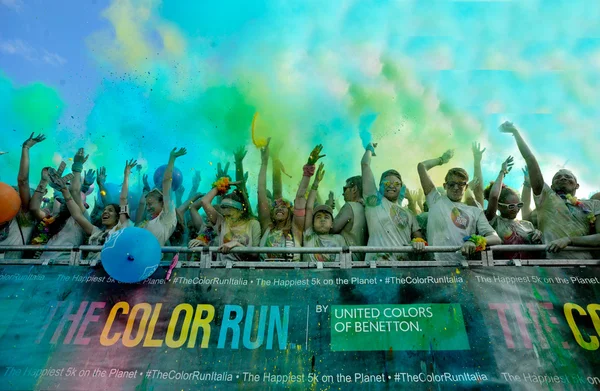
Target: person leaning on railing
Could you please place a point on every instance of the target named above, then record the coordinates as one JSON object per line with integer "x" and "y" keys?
{"x": 510, "y": 229}
{"x": 563, "y": 219}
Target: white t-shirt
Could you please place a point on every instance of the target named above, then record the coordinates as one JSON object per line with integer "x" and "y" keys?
{"x": 313, "y": 239}
{"x": 14, "y": 238}
{"x": 389, "y": 225}
{"x": 247, "y": 233}
{"x": 448, "y": 223}
{"x": 557, "y": 218}
{"x": 163, "y": 226}
{"x": 71, "y": 235}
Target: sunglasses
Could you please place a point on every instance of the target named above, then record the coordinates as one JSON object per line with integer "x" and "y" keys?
{"x": 512, "y": 206}
{"x": 390, "y": 184}
{"x": 346, "y": 188}
{"x": 459, "y": 184}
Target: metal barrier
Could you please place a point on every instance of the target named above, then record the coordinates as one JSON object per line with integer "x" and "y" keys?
{"x": 344, "y": 260}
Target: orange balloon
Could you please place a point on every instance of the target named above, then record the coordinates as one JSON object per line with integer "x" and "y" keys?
{"x": 10, "y": 203}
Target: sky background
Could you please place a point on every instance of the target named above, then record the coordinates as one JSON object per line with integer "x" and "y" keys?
{"x": 134, "y": 79}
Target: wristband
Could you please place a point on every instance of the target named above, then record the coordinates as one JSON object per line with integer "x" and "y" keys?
{"x": 315, "y": 187}
{"x": 124, "y": 209}
{"x": 370, "y": 148}
{"x": 480, "y": 242}
{"x": 85, "y": 187}
{"x": 77, "y": 167}
{"x": 67, "y": 199}
{"x": 309, "y": 170}
{"x": 440, "y": 161}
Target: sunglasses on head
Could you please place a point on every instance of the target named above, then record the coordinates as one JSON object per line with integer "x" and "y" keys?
{"x": 512, "y": 206}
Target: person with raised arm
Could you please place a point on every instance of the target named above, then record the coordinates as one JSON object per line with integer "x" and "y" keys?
{"x": 159, "y": 205}
{"x": 350, "y": 221}
{"x": 476, "y": 186}
{"x": 451, "y": 222}
{"x": 17, "y": 232}
{"x": 563, "y": 219}
{"x": 389, "y": 224}
{"x": 234, "y": 225}
{"x": 318, "y": 222}
{"x": 276, "y": 218}
{"x": 60, "y": 228}
{"x": 114, "y": 217}
{"x": 510, "y": 229}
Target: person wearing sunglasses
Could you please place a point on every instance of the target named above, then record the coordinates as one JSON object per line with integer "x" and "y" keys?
{"x": 511, "y": 230}
{"x": 449, "y": 220}
{"x": 389, "y": 223}
{"x": 350, "y": 222}
{"x": 563, "y": 219}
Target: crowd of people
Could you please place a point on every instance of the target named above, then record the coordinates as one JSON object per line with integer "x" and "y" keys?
{"x": 372, "y": 215}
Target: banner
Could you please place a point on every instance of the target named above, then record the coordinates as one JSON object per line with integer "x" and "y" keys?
{"x": 502, "y": 328}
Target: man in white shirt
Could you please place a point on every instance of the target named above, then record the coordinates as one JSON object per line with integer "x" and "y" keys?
{"x": 451, "y": 222}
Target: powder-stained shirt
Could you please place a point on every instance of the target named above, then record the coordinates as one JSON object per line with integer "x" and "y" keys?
{"x": 389, "y": 225}
{"x": 247, "y": 233}
{"x": 163, "y": 226}
{"x": 313, "y": 239}
{"x": 449, "y": 222}
{"x": 557, "y": 218}
{"x": 100, "y": 236}
{"x": 277, "y": 238}
{"x": 514, "y": 232}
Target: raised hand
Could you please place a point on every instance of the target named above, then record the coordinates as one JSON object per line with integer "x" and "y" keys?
{"x": 371, "y": 147}
{"x": 138, "y": 168}
{"x": 146, "y": 185}
{"x": 474, "y": 183}
{"x": 89, "y": 177}
{"x": 58, "y": 181}
{"x": 196, "y": 180}
{"x": 31, "y": 141}
{"x": 178, "y": 153}
{"x": 320, "y": 173}
{"x": 507, "y": 165}
{"x": 477, "y": 151}
{"x": 508, "y": 127}
{"x": 80, "y": 157}
{"x": 101, "y": 176}
{"x": 240, "y": 153}
{"x": 179, "y": 192}
{"x": 331, "y": 200}
{"x": 45, "y": 176}
{"x": 129, "y": 165}
{"x": 314, "y": 155}
{"x": 445, "y": 158}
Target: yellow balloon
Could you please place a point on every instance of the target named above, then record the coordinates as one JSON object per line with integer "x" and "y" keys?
{"x": 258, "y": 142}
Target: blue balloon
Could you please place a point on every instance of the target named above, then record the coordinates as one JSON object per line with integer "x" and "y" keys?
{"x": 160, "y": 172}
{"x": 131, "y": 255}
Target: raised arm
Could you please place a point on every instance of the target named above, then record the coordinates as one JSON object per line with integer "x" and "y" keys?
{"x": 206, "y": 203}
{"x": 123, "y": 198}
{"x": 78, "y": 161}
{"x": 23, "y": 178}
{"x": 312, "y": 197}
{"x": 264, "y": 209}
{"x": 344, "y": 217}
{"x": 535, "y": 174}
{"x": 526, "y": 196}
{"x": 36, "y": 201}
{"x": 74, "y": 209}
{"x": 368, "y": 180}
{"x": 101, "y": 180}
{"x": 477, "y": 173}
{"x": 277, "y": 169}
{"x": 423, "y": 168}
{"x": 194, "y": 212}
{"x": 139, "y": 216}
{"x": 496, "y": 189}
{"x": 168, "y": 177}
{"x": 300, "y": 200}
{"x": 195, "y": 184}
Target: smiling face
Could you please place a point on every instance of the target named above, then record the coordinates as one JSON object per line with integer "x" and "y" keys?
{"x": 322, "y": 222}
{"x": 565, "y": 182}
{"x": 153, "y": 205}
{"x": 509, "y": 206}
{"x": 110, "y": 216}
{"x": 391, "y": 187}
